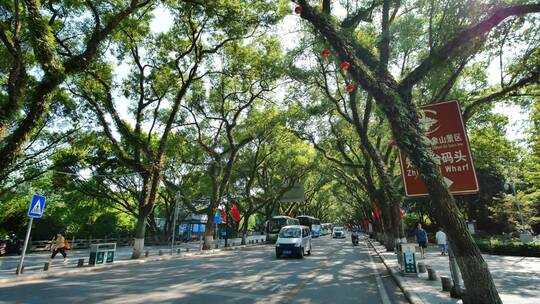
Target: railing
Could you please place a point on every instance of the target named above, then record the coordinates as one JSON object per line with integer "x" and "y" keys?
{"x": 37, "y": 246}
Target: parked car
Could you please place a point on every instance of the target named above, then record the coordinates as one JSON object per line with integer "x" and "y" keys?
{"x": 294, "y": 240}
{"x": 338, "y": 233}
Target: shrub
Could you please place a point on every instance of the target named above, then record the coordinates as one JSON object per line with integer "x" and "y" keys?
{"x": 499, "y": 247}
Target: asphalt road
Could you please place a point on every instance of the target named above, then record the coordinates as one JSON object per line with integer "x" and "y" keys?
{"x": 336, "y": 272}
{"x": 33, "y": 262}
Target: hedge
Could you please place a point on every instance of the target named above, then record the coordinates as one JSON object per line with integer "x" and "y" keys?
{"x": 509, "y": 248}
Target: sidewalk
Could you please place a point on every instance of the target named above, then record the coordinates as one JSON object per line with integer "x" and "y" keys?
{"x": 516, "y": 278}
{"x": 33, "y": 263}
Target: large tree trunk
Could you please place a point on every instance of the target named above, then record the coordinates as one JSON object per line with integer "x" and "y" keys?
{"x": 209, "y": 230}
{"x": 393, "y": 197}
{"x": 245, "y": 234}
{"x": 245, "y": 226}
{"x": 475, "y": 272}
{"x": 473, "y": 268}
{"x": 386, "y": 220}
{"x": 146, "y": 205}
{"x": 397, "y": 106}
{"x": 140, "y": 229}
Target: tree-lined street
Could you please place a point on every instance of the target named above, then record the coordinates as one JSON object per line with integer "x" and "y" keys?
{"x": 148, "y": 121}
{"x": 336, "y": 272}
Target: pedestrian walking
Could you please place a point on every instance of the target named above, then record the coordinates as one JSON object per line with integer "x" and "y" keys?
{"x": 440, "y": 236}
{"x": 421, "y": 238}
{"x": 60, "y": 246}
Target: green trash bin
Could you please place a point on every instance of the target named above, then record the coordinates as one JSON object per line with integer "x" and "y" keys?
{"x": 102, "y": 253}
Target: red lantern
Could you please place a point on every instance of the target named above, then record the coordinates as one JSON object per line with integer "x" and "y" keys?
{"x": 401, "y": 213}
{"x": 325, "y": 53}
{"x": 298, "y": 9}
{"x": 350, "y": 87}
{"x": 345, "y": 65}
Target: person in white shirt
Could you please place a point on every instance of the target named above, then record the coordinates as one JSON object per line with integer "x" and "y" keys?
{"x": 440, "y": 236}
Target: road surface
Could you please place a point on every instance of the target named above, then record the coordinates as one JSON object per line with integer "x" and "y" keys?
{"x": 34, "y": 261}
{"x": 336, "y": 272}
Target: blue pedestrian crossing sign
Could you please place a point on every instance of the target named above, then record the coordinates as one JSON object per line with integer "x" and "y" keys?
{"x": 36, "y": 206}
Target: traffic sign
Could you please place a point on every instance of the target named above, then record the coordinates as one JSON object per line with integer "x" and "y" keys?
{"x": 217, "y": 218}
{"x": 446, "y": 137}
{"x": 36, "y": 206}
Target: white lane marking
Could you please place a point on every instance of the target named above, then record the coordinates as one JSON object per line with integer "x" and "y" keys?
{"x": 382, "y": 291}
{"x": 289, "y": 291}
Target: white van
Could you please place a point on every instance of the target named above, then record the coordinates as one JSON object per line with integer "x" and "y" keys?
{"x": 294, "y": 240}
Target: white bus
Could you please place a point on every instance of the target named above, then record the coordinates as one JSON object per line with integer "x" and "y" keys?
{"x": 313, "y": 223}
{"x": 274, "y": 225}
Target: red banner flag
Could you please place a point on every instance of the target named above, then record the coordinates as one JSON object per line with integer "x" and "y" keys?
{"x": 235, "y": 213}
{"x": 376, "y": 212}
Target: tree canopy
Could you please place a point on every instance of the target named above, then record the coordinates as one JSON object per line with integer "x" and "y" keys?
{"x": 117, "y": 122}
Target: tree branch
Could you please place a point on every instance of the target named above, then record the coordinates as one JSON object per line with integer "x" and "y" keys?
{"x": 354, "y": 20}
{"x": 533, "y": 77}
{"x": 455, "y": 46}
{"x": 81, "y": 61}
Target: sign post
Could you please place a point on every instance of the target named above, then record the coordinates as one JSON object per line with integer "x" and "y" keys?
{"x": 37, "y": 205}
{"x": 445, "y": 135}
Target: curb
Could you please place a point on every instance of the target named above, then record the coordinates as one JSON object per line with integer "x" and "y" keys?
{"x": 412, "y": 297}
{"x": 86, "y": 269}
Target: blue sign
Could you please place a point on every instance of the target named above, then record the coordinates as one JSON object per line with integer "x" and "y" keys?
{"x": 217, "y": 218}
{"x": 36, "y": 206}
{"x": 182, "y": 228}
{"x": 198, "y": 227}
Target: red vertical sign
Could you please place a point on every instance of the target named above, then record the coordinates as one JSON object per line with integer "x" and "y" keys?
{"x": 445, "y": 135}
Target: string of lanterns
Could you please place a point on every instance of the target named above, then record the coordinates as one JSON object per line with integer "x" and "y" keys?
{"x": 345, "y": 65}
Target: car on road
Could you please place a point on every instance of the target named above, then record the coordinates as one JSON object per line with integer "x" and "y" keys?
{"x": 338, "y": 233}
{"x": 294, "y": 240}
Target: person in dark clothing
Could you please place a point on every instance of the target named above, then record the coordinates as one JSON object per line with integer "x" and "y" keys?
{"x": 421, "y": 238}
